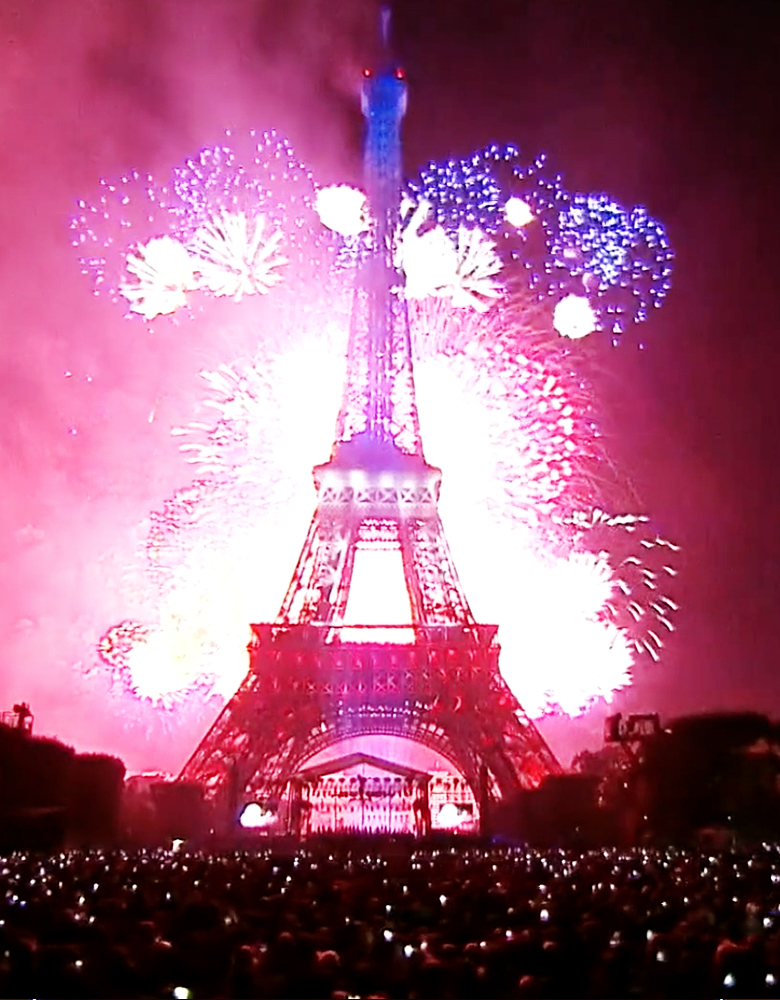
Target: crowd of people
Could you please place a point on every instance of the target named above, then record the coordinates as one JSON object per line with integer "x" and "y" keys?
{"x": 391, "y": 919}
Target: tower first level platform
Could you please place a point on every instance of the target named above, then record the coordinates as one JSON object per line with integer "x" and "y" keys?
{"x": 314, "y": 686}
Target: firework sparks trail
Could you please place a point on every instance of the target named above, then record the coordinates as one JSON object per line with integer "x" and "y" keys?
{"x": 507, "y": 412}
{"x": 505, "y": 403}
{"x": 216, "y": 206}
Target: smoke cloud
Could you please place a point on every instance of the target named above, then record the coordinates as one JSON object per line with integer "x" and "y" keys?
{"x": 89, "y": 89}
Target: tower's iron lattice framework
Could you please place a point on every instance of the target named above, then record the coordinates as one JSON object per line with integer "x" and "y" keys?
{"x": 313, "y": 681}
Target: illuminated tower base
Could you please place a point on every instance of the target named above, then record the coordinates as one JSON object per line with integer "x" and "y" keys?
{"x": 313, "y": 683}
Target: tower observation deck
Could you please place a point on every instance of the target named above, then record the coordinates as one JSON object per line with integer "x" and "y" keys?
{"x": 319, "y": 680}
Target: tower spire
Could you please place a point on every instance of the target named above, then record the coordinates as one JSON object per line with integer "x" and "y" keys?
{"x": 383, "y": 101}
{"x": 385, "y": 20}
{"x": 379, "y": 401}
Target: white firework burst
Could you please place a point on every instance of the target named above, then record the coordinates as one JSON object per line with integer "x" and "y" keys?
{"x": 475, "y": 284}
{"x": 343, "y": 209}
{"x": 574, "y": 317}
{"x": 165, "y": 272}
{"x": 518, "y": 213}
{"x": 640, "y": 559}
{"x": 237, "y": 256}
{"x": 243, "y": 397}
{"x": 427, "y": 255}
{"x": 436, "y": 266}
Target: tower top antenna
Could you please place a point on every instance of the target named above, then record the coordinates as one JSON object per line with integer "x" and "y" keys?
{"x": 385, "y": 18}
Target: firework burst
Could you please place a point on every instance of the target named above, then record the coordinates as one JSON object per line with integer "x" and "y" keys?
{"x": 497, "y": 257}
{"x": 164, "y": 272}
{"x": 588, "y": 245}
{"x": 232, "y": 206}
{"x": 236, "y": 256}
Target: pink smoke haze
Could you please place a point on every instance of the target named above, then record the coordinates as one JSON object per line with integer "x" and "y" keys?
{"x": 624, "y": 98}
{"x": 89, "y": 399}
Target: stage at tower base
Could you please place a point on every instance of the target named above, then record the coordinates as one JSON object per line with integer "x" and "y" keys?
{"x": 344, "y": 723}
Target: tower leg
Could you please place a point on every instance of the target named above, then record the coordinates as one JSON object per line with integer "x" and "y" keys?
{"x": 294, "y": 818}
{"x": 484, "y": 801}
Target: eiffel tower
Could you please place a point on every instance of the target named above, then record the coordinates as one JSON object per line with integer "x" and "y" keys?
{"x": 316, "y": 679}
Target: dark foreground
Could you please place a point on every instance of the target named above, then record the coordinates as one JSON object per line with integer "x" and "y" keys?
{"x": 433, "y": 922}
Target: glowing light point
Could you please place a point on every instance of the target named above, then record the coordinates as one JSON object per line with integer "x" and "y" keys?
{"x": 254, "y": 817}
{"x": 343, "y": 209}
{"x": 449, "y": 817}
{"x": 574, "y": 317}
{"x": 518, "y": 213}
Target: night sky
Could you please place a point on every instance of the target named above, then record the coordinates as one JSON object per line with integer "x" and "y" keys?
{"x": 671, "y": 105}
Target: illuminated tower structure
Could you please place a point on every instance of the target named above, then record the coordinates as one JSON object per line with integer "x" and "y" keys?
{"x": 317, "y": 678}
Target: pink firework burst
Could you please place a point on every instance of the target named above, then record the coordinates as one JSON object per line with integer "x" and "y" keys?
{"x": 506, "y": 411}
{"x": 534, "y": 511}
